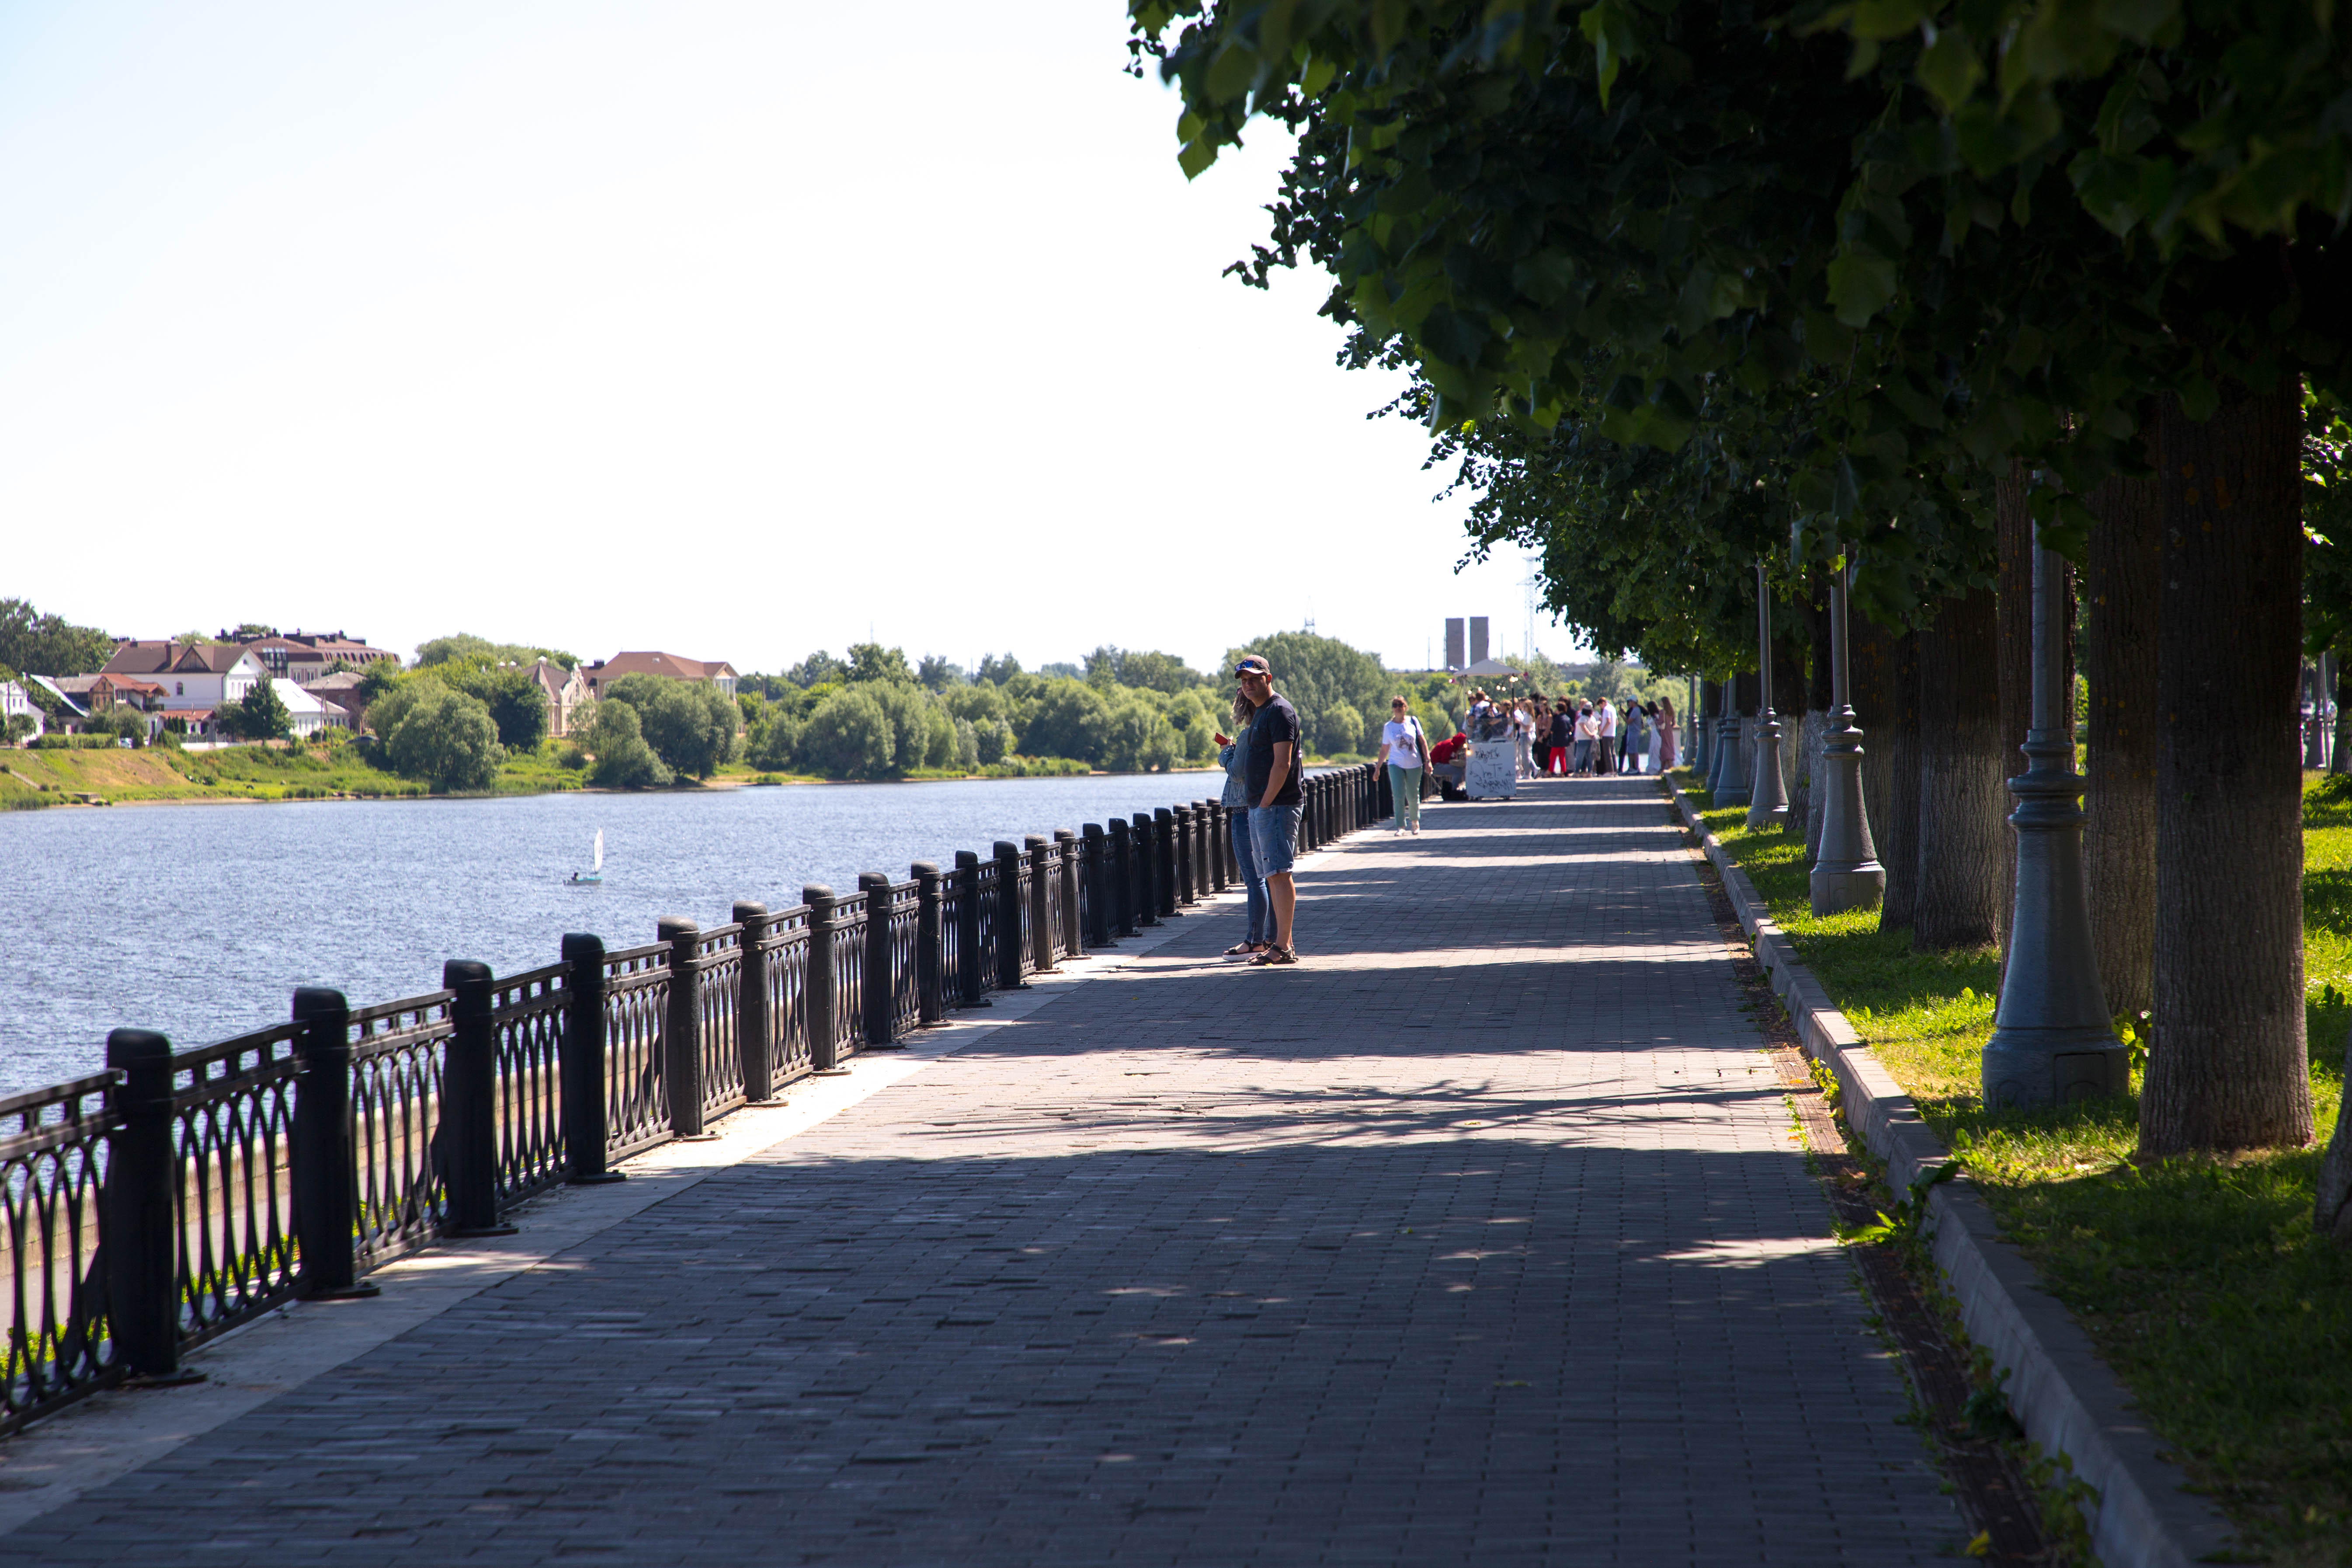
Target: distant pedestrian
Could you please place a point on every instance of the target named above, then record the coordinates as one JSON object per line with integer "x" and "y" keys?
{"x": 1232, "y": 750}
{"x": 1405, "y": 750}
{"x": 1588, "y": 735}
{"x": 1665, "y": 728}
{"x": 1563, "y": 735}
{"x": 1604, "y": 745}
{"x": 1637, "y": 740}
{"x": 1275, "y": 781}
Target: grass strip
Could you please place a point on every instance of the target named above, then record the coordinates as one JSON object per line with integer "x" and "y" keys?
{"x": 2198, "y": 1278}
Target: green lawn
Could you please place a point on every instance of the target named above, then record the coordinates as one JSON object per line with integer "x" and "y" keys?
{"x": 2199, "y": 1279}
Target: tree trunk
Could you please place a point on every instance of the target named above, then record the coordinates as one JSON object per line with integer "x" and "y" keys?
{"x": 1870, "y": 686}
{"x": 1710, "y": 714}
{"x": 2228, "y": 1070}
{"x": 1746, "y": 698}
{"x": 1898, "y": 839}
{"x": 2119, "y": 834}
{"x": 1963, "y": 828}
{"x": 1818, "y": 689}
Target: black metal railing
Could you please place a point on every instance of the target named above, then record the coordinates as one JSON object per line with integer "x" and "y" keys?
{"x": 527, "y": 1024}
{"x": 397, "y": 1051}
{"x": 53, "y": 1158}
{"x": 637, "y": 1001}
{"x": 175, "y": 1195}
{"x": 233, "y": 1198}
{"x": 718, "y": 979}
{"x": 849, "y": 916}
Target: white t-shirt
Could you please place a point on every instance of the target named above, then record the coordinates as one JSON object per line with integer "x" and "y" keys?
{"x": 1607, "y": 714}
{"x": 1405, "y": 743}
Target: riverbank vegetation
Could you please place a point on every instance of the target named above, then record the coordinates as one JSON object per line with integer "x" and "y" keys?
{"x": 471, "y": 717}
{"x": 2201, "y": 1277}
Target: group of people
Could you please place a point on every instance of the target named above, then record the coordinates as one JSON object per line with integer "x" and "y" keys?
{"x": 1265, "y": 773}
{"x": 1578, "y": 736}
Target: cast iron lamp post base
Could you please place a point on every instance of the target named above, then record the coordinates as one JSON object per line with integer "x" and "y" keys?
{"x": 2053, "y": 1042}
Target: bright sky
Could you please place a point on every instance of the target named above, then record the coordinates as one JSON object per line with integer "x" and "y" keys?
{"x": 735, "y": 329}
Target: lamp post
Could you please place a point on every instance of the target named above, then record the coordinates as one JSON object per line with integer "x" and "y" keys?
{"x": 2053, "y": 1042}
{"x": 1847, "y": 876}
{"x": 1768, "y": 798}
{"x": 1730, "y": 783}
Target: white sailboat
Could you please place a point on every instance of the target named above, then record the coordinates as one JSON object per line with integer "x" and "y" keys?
{"x": 593, "y": 875}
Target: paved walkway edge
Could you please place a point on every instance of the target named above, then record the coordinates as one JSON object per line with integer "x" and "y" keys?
{"x": 2061, "y": 1391}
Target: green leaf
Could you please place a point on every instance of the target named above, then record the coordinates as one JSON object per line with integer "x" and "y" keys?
{"x": 1317, "y": 77}
{"x": 2139, "y": 20}
{"x": 1950, "y": 69}
{"x": 1231, "y": 71}
{"x": 1860, "y": 287}
{"x": 1454, "y": 336}
{"x": 1609, "y": 27}
{"x": 1194, "y": 157}
{"x": 1880, "y": 20}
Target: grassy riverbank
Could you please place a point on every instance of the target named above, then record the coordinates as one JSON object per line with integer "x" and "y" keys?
{"x": 2199, "y": 1279}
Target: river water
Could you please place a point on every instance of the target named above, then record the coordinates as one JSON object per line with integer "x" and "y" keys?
{"x": 199, "y": 921}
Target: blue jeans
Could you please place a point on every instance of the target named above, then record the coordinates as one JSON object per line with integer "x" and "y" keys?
{"x": 1261, "y": 917}
{"x": 1273, "y": 838}
{"x": 1404, "y": 791}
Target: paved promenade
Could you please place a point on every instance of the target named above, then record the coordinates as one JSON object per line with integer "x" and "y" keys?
{"x": 1480, "y": 1237}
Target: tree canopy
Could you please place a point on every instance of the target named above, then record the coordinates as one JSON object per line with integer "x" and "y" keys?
{"x": 1819, "y": 246}
{"x": 465, "y": 648}
{"x": 49, "y": 645}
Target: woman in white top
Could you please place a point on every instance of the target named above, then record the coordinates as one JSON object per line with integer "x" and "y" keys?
{"x": 1405, "y": 749}
{"x": 1523, "y": 730}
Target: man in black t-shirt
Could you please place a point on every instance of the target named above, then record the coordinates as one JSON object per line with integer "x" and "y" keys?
{"x": 1273, "y": 775}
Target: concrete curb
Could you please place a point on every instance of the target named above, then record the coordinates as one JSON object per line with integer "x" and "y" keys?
{"x": 2060, "y": 1390}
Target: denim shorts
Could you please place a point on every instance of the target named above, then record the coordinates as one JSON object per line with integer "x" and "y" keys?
{"x": 1274, "y": 833}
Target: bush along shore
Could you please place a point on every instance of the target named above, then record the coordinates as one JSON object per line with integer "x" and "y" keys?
{"x": 31, "y": 779}
{"x": 2200, "y": 1279}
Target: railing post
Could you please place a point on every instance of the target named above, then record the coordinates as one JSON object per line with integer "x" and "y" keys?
{"x": 1008, "y": 918}
{"x": 470, "y": 1103}
{"x": 1184, "y": 835}
{"x": 682, "y": 1029}
{"x": 881, "y": 993}
{"x": 326, "y": 1200}
{"x": 580, "y": 1062}
{"x": 970, "y": 981}
{"x": 1144, "y": 861}
{"x": 1041, "y": 908}
{"x": 754, "y": 1030}
{"x": 824, "y": 998}
{"x": 1163, "y": 862}
{"x": 1213, "y": 841}
{"x": 1121, "y": 850}
{"x": 1073, "y": 937}
{"x": 139, "y": 1225}
{"x": 1100, "y": 917}
{"x": 930, "y": 1001}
